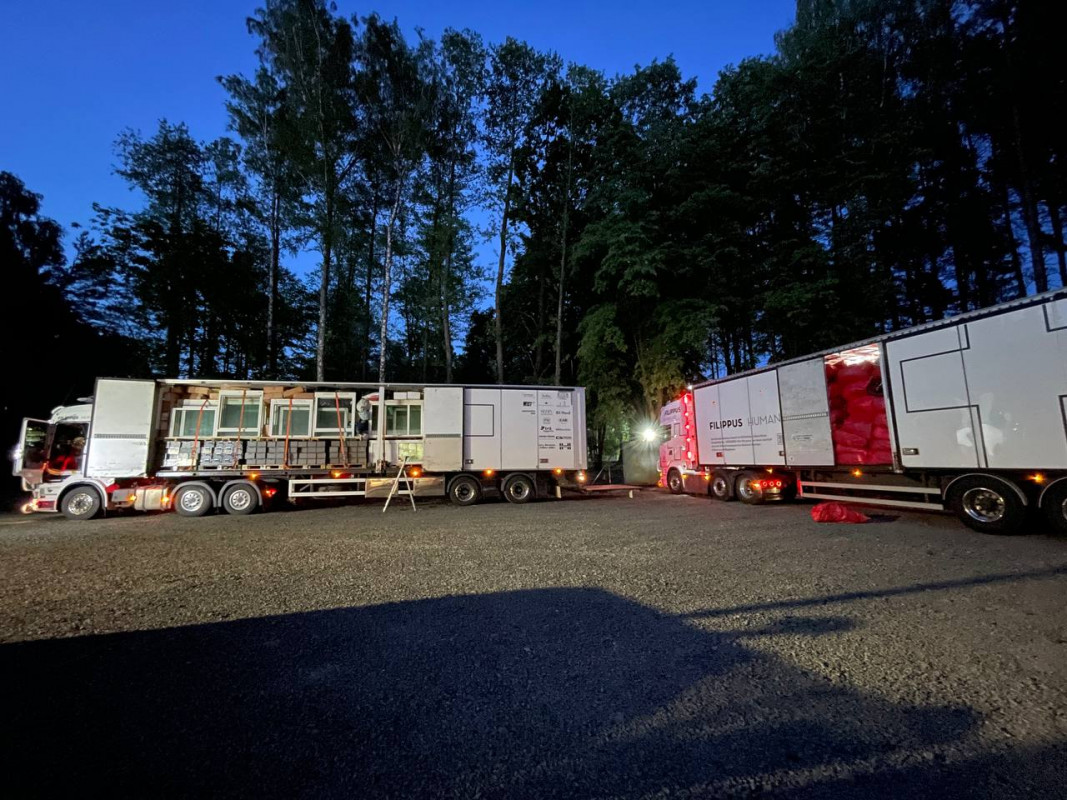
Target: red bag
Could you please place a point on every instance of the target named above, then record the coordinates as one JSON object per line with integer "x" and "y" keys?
{"x": 850, "y": 455}
{"x": 843, "y": 437}
{"x": 880, "y": 455}
{"x": 857, "y": 372}
{"x": 857, "y": 428}
{"x": 837, "y": 512}
{"x": 853, "y": 390}
{"x": 868, "y": 403}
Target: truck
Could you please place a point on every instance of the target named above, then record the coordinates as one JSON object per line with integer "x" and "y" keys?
{"x": 198, "y": 446}
{"x": 966, "y": 414}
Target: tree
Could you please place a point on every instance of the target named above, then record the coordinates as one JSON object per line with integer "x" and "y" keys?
{"x": 517, "y": 76}
{"x": 311, "y": 52}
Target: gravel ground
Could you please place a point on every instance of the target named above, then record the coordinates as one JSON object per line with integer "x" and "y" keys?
{"x": 602, "y": 647}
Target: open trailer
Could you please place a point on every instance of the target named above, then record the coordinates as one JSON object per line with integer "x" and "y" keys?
{"x": 200, "y": 445}
{"x": 968, "y": 414}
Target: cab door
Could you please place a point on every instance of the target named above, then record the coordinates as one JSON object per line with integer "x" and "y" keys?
{"x": 31, "y": 452}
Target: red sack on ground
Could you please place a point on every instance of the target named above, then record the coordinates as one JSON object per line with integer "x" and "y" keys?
{"x": 837, "y": 512}
{"x": 857, "y": 428}
{"x": 845, "y": 438}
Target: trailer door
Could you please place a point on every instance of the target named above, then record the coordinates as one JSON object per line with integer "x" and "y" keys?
{"x": 121, "y": 430}
{"x": 442, "y": 426}
{"x": 481, "y": 429}
{"x": 765, "y": 419}
{"x": 933, "y": 414}
{"x": 518, "y": 414}
{"x": 806, "y": 414}
{"x": 707, "y": 415}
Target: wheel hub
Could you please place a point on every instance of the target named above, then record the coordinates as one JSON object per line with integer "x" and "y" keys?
{"x": 81, "y": 503}
{"x": 984, "y": 505}
{"x": 191, "y": 501}
{"x": 240, "y": 499}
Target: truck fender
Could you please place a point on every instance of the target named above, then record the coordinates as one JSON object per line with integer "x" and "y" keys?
{"x": 1005, "y": 481}
{"x": 1041, "y": 497}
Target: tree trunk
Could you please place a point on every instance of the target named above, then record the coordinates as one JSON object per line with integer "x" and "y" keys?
{"x": 563, "y": 260}
{"x": 387, "y": 278}
{"x": 367, "y": 287}
{"x": 1058, "y": 243}
{"x": 498, "y": 329}
{"x": 272, "y": 280}
{"x": 324, "y": 285}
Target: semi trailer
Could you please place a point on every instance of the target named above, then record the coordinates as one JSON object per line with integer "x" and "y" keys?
{"x": 967, "y": 414}
{"x": 197, "y": 446}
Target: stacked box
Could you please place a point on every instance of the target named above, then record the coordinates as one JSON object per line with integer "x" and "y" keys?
{"x": 356, "y": 452}
{"x": 178, "y": 455}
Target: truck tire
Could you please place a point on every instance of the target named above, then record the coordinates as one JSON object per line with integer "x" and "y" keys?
{"x": 1054, "y": 505}
{"x": 519, "y": 489}
{"x": 675, "y": 484}
{"x": 747, "y": 493}
{"x": 721, "y": 487}
{"x": 192, "y": 501}
{"x": 81, "y": 502}
{"x": 240, "y": 499}
{"x": 987, "y": 504}
{"x": 464, "y": 490}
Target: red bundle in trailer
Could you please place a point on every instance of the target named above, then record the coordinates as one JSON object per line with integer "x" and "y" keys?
{"x": 858, "y": 421}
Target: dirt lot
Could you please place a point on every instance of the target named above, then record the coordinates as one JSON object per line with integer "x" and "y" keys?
{"x": 662, "y": 646}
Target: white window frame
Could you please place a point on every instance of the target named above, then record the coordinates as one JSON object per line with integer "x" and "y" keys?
{"x": 329, "y": 431}
{"x": 248, "y": 429}
{"x": 402, "y": 404}
{"x": 295, "y": 403}
{"x": 179, "y": 412}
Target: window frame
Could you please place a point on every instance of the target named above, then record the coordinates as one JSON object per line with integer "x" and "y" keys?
{"x": 294, "y": 403}
{"x": 179, "y": 412}
{"x": 327, "y": 432}
{"x": 406, "y": 404}
{"x": 249, "y": 398}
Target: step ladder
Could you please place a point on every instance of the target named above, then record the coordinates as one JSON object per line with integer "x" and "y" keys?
{"x": 395, "y": 488}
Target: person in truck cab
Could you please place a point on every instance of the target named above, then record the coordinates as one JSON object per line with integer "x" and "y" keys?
{"x": 69, "y": 462}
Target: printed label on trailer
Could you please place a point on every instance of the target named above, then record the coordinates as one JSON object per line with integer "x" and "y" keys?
{"x": 555, "y": 431}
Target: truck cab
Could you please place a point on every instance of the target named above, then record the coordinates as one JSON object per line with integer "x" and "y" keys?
{"x": 678, "y": 468}
{"x": 50, "y": 451}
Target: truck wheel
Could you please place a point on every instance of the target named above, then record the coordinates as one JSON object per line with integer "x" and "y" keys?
{"x": 987, "y": 504}
{"x": 192, "y": 501}
{"x": 720, "y": 487}
{"x": 518, "y": 489}
{"x": 747, "y": 491}
{"x": 464, "y": 490}
{"x": 240, "y": 499}
{"x": 81, "y": 502}
{"x": 674, "y": 482}
{"x": 1054, "y": 506}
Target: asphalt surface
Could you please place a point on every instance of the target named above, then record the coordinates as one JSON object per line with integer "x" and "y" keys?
{"x": 604, "y": 647}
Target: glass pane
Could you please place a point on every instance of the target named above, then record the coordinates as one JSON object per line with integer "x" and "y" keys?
{"x": 326, "y": 417}
{"x": 230, "y": 418}
{"x": 415, "y": 420}
{"x": 189, "y": 416}
{"x": 396, "y": 420}
{"x": 300, "y": 426}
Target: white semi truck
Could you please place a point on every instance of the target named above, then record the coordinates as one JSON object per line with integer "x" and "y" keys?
{"x": 967, "y": 414}
{"x": 196, "y": 446}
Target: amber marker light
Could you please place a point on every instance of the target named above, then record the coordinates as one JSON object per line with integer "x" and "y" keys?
{"x": 857, "y": 473}
{"x": 489, "y": 473}
{"x": 1037, "y": 478}
{"x": 415, "y": 472}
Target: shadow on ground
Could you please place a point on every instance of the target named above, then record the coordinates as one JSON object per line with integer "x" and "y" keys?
{"x": 541, "y": 693}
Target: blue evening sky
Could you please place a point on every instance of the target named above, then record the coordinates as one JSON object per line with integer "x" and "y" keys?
{"x": 73, "y": 73}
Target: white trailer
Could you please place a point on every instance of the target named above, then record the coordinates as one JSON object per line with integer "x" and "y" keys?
{"x": 200, "y": 445}
{"x": 967, "y": 414}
